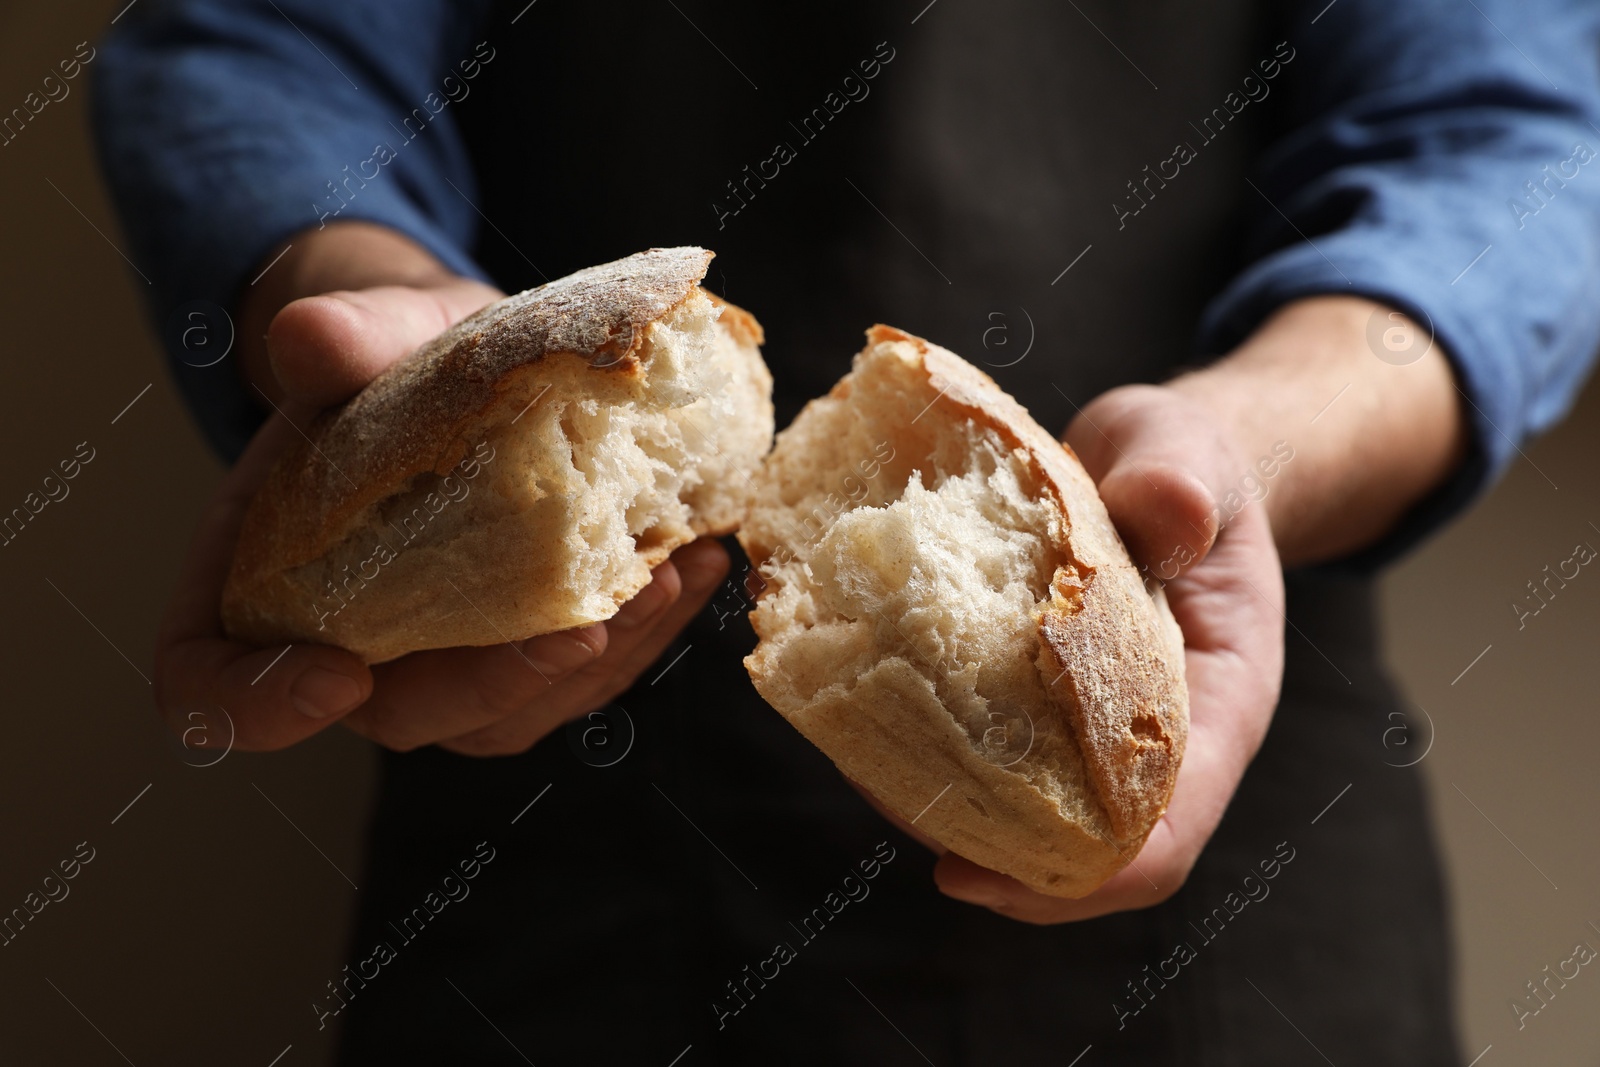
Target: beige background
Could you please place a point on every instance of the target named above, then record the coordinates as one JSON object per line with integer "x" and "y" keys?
{"x": 208, "y": 919}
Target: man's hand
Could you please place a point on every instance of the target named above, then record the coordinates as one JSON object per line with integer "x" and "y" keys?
{"x": 1182, "y": 469}
{"x": 1163, "y": 466}
{"x": 320, "y": 350}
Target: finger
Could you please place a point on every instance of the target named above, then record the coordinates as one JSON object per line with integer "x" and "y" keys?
{"x": 272, "y": 697}
{"x": 1165, "y": 514}
{"x": 453, "y": 694}
{"x": 637, "y": 635}
{"x": 1161, "y": 467}
{"x": 324, "y": 349}
{"x": 269, "y": 698}
{"x": 429, "y": 696}
{"x": 580, "y": 691}
{"x": 1231, "y": 611}
{"x": 701, "y": 566}
{"x": 1154, "y": 875}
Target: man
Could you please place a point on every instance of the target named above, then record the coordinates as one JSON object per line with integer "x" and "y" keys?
{"x": 1057, "y": 192}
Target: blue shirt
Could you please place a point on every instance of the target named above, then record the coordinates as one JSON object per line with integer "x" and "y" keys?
{"x": 1439, "y": 154}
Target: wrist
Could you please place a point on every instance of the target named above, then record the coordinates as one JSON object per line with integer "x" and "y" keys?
{"x": 1366, "y": 435}
{"x": 1259, "y": 452}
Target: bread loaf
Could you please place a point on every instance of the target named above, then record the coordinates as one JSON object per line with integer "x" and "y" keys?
{"x": 951, "y": 617}
{"x": 520, "y": 474}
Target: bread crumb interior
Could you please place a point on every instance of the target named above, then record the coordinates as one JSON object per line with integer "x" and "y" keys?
{"x": 603, "y": 467}
{"x": 908, "y": 530}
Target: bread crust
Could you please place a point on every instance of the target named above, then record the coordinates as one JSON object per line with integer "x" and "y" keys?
{"x": 421, "y": 416}
{"x": 1112, "y": 647}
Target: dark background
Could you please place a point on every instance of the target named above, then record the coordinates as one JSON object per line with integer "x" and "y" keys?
{"x": 215, "y": 907}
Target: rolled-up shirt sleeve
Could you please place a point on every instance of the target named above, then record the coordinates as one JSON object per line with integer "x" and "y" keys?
{"x": 1442, "y": 157}
{"x": 227, "y": 126}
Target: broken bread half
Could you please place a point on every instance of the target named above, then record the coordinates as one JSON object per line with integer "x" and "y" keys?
{"x": 950, "y": 616}
{"x": 521, "y": 473}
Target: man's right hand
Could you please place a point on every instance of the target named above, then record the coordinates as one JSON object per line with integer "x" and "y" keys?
{"x": 379, "y": 297}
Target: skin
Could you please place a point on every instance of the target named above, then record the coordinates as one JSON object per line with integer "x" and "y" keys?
{"x": 347, "y": 301}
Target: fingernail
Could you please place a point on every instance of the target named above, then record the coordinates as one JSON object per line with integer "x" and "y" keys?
{"x": 558, "y": 653}
{"x": 642, "y": 608}
{"x": 320, "y": 693}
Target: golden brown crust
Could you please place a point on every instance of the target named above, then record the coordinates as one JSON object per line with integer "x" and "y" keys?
{"x": 743, "y": 325}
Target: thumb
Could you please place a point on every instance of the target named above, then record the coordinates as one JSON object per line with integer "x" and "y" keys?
{"x": 1162, "y": 465}
{"x": 324, "y": 349}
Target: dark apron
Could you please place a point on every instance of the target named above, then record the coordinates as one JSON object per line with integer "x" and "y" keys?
{"x": 975, "y": 190}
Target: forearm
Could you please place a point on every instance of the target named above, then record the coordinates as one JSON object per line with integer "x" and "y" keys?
{"x": 1429, "y": 162}
{"x": 1369, "y": 437}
